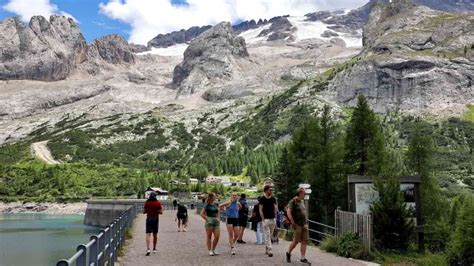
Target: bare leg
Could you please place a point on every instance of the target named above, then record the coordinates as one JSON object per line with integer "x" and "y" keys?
{"x": 293, "y": 245}
{"x": 236, "y": 230}
{"x": 147, "y": 239}
{"x": 303, "y": 249}
{"x": 155, "y": 240}
{"x": 230, "y": 230}
{"x": 208, "y": 239}
{"x": 241, "y": 233}
{"x": 217, "y": 235}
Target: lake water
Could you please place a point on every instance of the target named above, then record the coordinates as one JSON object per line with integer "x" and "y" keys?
{"x": 40, "y": 239}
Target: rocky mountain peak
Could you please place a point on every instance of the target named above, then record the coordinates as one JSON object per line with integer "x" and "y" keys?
{"x": 209, "y": 57}
{"x": 44, "y": 50}
{"x": 113, "y": 49}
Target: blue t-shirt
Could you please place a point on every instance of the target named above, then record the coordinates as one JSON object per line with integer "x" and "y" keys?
{"x": 233, "y": 210}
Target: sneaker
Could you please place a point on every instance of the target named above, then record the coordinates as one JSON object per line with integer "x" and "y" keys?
{"x": 215, "y": 253}
{"x": 154, "y": 251}
{"x": 211, "y": 253}
{"x": 232, "y": 251}
{"x": 288, "y": 257}
{"x": 270, "y": 254}
{"x": 184, "y": 230}
{"x": 241, "y": 242}
{"x": 304, "y": 261}
{"x": 179, "y": 230}
{"x": 147, "y": 252}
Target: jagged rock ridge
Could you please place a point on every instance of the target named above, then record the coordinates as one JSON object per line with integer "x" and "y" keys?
{"x": 211, "y": 56}
{"x": 52, "y": 50}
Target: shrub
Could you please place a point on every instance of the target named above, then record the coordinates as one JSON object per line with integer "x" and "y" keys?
{"x": 330, "y": 244}
{"x": 348, "y": 245}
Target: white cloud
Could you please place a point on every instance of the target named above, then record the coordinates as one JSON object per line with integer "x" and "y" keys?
{"x": 28, "y": 8}
{"x": 148, "y": 18}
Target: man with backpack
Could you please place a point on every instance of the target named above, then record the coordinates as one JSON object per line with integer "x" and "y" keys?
{"x": 298, "y": 221}
{"x": 182, "y": 217}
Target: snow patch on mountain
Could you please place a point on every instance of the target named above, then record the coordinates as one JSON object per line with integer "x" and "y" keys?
{"x": 175, "y": 50}
{"x": 314, "y": 29}
{"x": 251, "y": 36}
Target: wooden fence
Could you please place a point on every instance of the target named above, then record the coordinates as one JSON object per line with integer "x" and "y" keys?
{"x": 349, "y": 222}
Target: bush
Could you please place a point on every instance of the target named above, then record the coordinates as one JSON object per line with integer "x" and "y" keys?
{"x": 330, "y": 244}
{"x": 348, "y": 245}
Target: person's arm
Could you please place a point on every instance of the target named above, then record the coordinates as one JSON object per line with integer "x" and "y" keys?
{"x": 290, "y": 218}
{"x": 203, "y": 213}
{"x": 240, "y": 205}
{"x": 160, "y": 211}
{"x": 225, "y": 204}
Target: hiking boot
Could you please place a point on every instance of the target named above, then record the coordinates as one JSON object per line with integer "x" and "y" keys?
{"x": 147, "y": 252}
{"x": 288, "y": 257}
{"x": 305, "y": 261}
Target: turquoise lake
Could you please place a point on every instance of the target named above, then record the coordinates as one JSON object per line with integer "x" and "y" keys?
{"x": 40, "y": 239}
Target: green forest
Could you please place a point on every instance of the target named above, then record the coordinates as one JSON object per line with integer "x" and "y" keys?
{"x": 286, "y": 140}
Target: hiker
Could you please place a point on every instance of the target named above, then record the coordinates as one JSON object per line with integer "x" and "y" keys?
{"x": 232, "y": 213}
{"x": 210, "y": 213}
{"x": 257, "y": 226}
{"x": 182, "y": 217}
{"x": 267, "y": 208}
{"x": 175, "y": 204}
{"x": 152, "y": 209}
{"x": 243, "y": 218}
{"x": 299, "y": 225}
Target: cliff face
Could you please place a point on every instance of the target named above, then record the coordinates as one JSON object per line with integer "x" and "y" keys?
{"x": 50, "y": 50}
{"x": 43, "y": 50}
{"x": 208, "y": 58}
{"x": 414, "y": 59}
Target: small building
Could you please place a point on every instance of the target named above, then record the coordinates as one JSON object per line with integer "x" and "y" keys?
{"x": 225, "y": 180}
{"x": 193, "y": 181}
{"x": 240, "y": 184}
{"x": 161, "y": 194}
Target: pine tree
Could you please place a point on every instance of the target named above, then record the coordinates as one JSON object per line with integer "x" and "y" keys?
{"x": 460, "y": 248}
{"x": 282, "y": 179}
{"x": 420, "y": 154}
{"x": 364, "y": 142}
{"x": 325, "y": 169}
{"x": 392, "y": 224}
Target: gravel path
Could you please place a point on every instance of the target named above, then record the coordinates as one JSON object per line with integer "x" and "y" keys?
{"x": 40, "y": 150}
{"x": 188, "y": 248}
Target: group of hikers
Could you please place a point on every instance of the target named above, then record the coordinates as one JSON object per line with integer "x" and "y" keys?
{"x": 263, "y": 221}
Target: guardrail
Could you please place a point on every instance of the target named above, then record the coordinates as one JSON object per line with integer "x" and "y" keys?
{"x": 103, "y": 248}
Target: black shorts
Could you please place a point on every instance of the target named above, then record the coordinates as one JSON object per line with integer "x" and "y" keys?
{"x": 243, "y": 221}
{"x": 182, "y": 217}
{"x": 233, "y": 221}
{"x": 152, "y": 225}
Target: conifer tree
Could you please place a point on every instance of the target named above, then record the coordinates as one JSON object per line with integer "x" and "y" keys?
{"x": 364, "y": 142}
{"x": 392, "y": 224}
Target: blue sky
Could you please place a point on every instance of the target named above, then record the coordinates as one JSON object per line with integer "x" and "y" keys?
{"x": 140, "y": 20}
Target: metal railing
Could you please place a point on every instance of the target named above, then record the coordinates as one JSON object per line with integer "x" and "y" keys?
{"x": 103, "y": 248}
{"x": 360, "y": 224}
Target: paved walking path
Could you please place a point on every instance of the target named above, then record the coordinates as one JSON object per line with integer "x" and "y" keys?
{"x": 189, "y": 248}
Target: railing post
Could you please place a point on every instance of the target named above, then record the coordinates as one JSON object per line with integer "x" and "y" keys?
{"x": 93, "y": 251}
{"x": 81, "y": 260}
{"x": 62, "y": 263}
{"x": 101, "y": 247}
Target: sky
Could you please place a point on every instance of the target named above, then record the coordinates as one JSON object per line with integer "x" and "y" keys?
{"x": 141, "y": 20}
